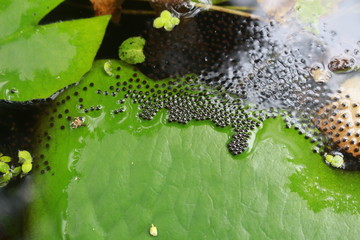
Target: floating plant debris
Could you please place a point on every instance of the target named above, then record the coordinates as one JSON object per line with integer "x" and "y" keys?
{"x": 335, "y": 161}
{"x": 77, "y": 122}
{"x": 153, "y": 231}
{"x": 342, "y": 64}
{"x": 319, "y": 74}
{"x": 166, "y": 21}
{"x": 10, "y": 170}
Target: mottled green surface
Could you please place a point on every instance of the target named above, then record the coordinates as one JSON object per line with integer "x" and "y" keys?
{"x": 36, "y": 61}
{"x": 131, "y": 50}
{"x": 114, "y": 177}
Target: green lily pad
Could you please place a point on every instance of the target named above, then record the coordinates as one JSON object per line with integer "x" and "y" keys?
{"x": 37, "y": 61}
{"x": 117, "y": 174}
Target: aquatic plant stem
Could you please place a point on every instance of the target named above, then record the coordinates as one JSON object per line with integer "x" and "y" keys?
{"x": 243, "y": 8}
{"x": 236, "y": 10}
{"x": 227, "y": 10}
{"x": 137, "y": 12}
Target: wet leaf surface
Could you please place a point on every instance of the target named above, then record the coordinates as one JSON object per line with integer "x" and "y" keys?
{"x": 37, "y": 61}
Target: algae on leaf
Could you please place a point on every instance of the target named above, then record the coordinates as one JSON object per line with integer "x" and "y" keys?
{"x": 38, "y": 60}
{"x": 114, "y": 177}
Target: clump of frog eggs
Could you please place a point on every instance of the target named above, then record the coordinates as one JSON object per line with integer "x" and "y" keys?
{"x": 185, "y": 99}
{"x": 265, "y": 74}
{"x": 340, "y": 121}
{"x": 279, "y": 82}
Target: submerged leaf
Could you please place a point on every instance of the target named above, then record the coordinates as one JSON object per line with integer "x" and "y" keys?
{"x": 37, "y": 61}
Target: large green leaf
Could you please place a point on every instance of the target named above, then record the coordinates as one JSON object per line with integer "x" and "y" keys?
{"x": 114, "y": 177}
{"x": 36, "y": 61}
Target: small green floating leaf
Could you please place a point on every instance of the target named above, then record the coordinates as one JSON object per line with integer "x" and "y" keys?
{"x": 175, "y": 21}
{"x": 5, "y": 159}
{"x": 16, "y": 171}
{"x": 337, "y": 161}
{"x": 159, "y": 22}
{"x": 131, "y": 50}
{"x": 8, "y": 176}
{"x": 26, "y": 167}
{"x": 4, "y": 167}
{"x": 168, "y": 25}
{"x": 165, "y": 15}
{"x": 24, "y": 157}
{"x": 166, "y": 20}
